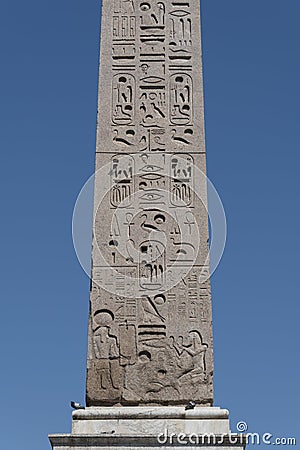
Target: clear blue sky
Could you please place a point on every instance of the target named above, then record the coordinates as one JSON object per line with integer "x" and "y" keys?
{"x": 48, "y": 90}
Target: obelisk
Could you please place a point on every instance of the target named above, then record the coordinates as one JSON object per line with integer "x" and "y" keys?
{"x": 150, "y": 333}
{"x": 150, "y": 349}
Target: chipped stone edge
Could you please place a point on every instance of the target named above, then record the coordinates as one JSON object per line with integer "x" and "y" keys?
{"x": 159, "y": 412}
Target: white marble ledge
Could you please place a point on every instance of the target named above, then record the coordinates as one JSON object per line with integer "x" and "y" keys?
{"x": 147, "y": 412}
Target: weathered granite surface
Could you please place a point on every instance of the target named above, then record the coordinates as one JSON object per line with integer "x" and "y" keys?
{"x": 150, "y": 327}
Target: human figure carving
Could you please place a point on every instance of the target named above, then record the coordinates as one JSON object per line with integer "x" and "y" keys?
{"x": 106, "y": 350}
{"x": 194, "y": 348}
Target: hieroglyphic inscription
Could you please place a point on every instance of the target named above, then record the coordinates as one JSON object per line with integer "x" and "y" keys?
{"x": 123, "y": 99}
{"x": 150, "y": 338}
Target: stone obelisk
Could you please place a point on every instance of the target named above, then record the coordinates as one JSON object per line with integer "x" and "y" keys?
{"x": 150, "y": 334}
{"x": 150, "y": 349}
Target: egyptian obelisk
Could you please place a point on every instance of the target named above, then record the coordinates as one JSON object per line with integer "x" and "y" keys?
{"x": 150, "y": 349}
{"x": 150, "y": 335}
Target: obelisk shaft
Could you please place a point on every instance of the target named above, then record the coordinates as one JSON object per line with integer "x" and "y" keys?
{"x": 150, "y": 327}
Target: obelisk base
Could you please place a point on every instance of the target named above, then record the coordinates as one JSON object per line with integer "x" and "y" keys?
{"x": 155, "y": 428}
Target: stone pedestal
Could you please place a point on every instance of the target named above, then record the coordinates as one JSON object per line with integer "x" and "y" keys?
{"x": 149, "y": 427}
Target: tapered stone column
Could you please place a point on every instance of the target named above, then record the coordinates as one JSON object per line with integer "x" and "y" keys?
{"x": 150, "y": 333}
{"x": 150, "y": 347}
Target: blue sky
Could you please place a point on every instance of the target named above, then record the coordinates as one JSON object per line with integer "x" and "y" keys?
{"x": 48, "y": 91}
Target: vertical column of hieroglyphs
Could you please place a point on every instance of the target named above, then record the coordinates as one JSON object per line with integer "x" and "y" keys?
{"x": 150, "y": 332}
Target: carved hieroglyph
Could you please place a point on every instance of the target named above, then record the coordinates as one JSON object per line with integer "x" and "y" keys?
{"x": 150, "y": 327}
